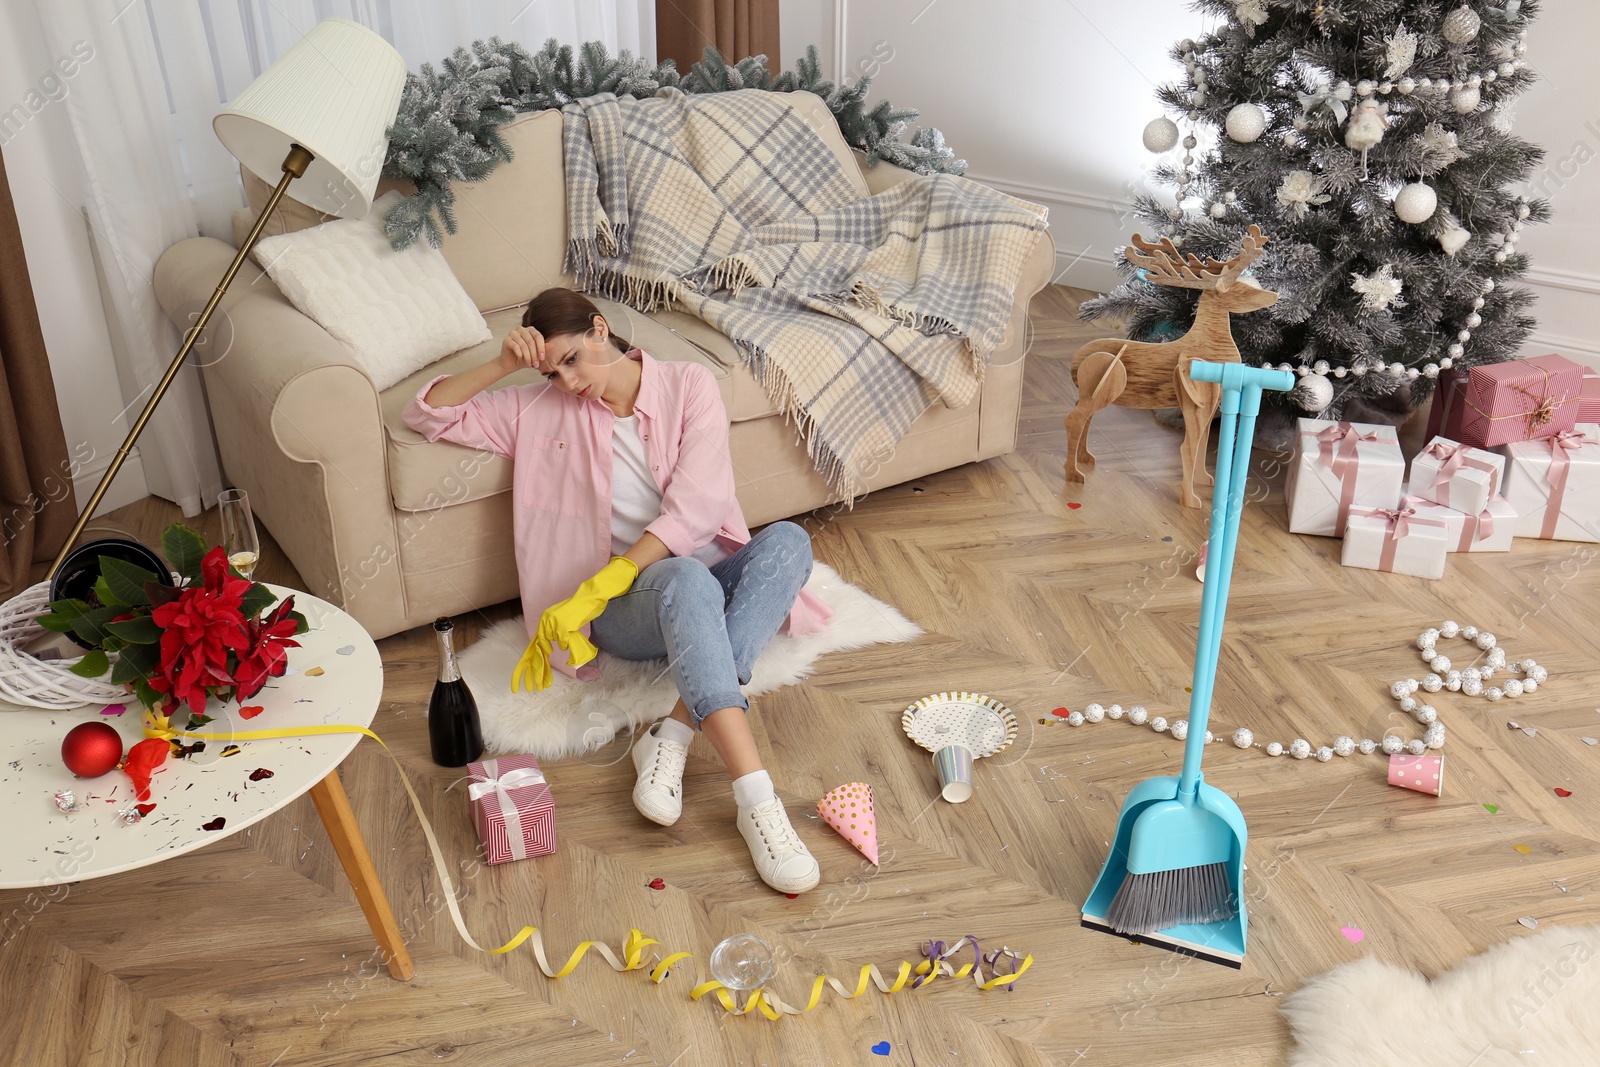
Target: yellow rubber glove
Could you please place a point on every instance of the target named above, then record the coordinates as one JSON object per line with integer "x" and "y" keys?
{"x": 562, "y": 624}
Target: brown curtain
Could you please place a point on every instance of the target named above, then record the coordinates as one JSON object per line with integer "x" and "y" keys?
{"x": 737, "y": 28}
{"x": 37, "y": 505}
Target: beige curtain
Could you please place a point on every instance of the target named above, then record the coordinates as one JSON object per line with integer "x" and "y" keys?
{"x": 737, "y": 28}
{"x": 37, "y": 504}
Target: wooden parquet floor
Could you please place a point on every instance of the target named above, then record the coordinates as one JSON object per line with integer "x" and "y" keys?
{"x": 253, "y": 952}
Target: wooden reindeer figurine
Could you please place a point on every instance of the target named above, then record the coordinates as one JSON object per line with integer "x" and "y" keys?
{"x": 1142, "y": 374}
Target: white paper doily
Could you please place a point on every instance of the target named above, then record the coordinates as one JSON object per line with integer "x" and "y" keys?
{"x": 980, "y": 723}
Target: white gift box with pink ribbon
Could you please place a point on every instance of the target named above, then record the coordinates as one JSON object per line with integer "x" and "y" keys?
{"x": 1490, "y": 530}
{"x": 1456, "y": 475}
{"x": 1395, "y": 540}
{"x": 1338, "y": 466}
{"x": 1554, "y": 484}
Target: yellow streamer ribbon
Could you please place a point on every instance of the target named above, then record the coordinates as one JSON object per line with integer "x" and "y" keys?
{"x": 763, "y": 1000}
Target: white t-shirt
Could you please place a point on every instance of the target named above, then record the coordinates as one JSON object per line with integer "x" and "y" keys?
{"x": 635, "y": 500}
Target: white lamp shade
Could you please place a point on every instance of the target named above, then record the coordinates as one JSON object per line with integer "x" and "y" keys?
{"x": 334, "y": 94}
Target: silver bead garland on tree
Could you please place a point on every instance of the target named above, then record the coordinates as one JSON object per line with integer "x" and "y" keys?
{"x": 1441, "y": 677}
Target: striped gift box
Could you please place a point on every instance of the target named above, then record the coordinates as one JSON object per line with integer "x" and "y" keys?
{"x": 512, "y": 808}
{"x": 1589, "y": 399}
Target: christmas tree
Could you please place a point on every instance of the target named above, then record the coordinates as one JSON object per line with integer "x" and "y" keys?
{"x": 1371, "y": 141}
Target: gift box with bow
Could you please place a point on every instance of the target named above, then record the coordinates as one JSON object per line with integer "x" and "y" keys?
{"x": 1456, "y": 475}
{"x": 1397, "y": 540}
{"x": 512, "y": 808}
{"x": 1554, "y": 484}
{"x": 1520, "y": 400}
{"x": 1490, "y": 530}
{"x": 1338, "y": 466}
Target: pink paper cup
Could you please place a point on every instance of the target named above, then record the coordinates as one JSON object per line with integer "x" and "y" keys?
{"x": 953, "y": 765}
{"x": 1420, "y": 774}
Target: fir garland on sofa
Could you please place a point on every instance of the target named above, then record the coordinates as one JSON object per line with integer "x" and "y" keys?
{"x": 448, "y": 126}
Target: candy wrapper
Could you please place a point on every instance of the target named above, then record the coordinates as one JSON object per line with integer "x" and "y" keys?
{"x": 1490, "y": 530}
{"x": 1520, "y": 400}
{"x": 512, "y": 808}
{"x": 1338, "y": 466}
{"x": 1398, "y": 541}
{"x": 1456, "y": 475}
{"x": 1554, "y": 485}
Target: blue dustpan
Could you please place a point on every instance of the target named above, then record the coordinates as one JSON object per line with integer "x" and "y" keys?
{"x": 1180, "y": 823}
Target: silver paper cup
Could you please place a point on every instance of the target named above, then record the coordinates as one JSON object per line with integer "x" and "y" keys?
{"x": 953, "y": 765}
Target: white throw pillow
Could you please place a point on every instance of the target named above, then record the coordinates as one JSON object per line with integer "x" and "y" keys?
{"x": 397, "y": 311}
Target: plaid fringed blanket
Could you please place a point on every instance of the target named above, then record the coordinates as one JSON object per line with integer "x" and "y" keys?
{"x": 855, "y": 314}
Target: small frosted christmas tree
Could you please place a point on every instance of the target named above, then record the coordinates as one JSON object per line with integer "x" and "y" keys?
{"x": 1371, "y": 141}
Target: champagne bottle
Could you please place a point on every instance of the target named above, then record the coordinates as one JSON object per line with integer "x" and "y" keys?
{"x": 453, "y": 728}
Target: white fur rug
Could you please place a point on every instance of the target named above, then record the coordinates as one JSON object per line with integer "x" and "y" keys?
{"x": 571, "y": 718}
{"x": 1526, "y": 1002}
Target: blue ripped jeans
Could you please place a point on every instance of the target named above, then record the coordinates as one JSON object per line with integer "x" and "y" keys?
{"x": 709, "y": 622}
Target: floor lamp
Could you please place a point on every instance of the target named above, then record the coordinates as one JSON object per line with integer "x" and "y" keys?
{"x": 315, "y": 122}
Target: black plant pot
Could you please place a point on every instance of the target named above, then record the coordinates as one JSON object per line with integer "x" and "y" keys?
{"x": 75, "y": 580}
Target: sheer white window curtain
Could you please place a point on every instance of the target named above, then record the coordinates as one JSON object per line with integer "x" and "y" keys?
{"x": 141, "y": 113}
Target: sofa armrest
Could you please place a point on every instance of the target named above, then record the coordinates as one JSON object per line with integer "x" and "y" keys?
{"x": 880, "y": 175}
{"x": 299, "y": 427}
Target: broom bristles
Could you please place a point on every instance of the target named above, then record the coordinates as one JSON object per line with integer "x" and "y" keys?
{"x": 1146, "y": 903}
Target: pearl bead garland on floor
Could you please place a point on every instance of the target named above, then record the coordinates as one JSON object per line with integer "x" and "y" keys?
{"x": 1469, "y": 681}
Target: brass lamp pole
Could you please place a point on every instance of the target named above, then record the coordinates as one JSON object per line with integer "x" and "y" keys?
{"x": 294, "y": 166}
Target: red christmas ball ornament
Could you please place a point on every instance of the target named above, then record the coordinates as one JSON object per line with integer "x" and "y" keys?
{"x": 91, "y": 749}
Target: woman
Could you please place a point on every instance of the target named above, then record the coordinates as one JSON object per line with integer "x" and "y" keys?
{"x": 618, "y": 454}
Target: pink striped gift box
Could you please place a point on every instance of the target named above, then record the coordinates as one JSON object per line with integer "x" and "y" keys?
{"x": 512, "y": 808}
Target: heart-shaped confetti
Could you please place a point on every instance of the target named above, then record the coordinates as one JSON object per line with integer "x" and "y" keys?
{"x": 250, "y": 711}
{"x": 113, "y": 709}
{"x": 315, "y": 672}
{"x": 1492, "y": 809}
{"x": 1353, "y": 933}
{"x": 881, "y": 1048}
{"x": 1529, "y": 921}
{"x": 792, "y": 896}
{"x": 347, "y": 650}
{"x": 232, "y": 750}
{"x": 1530, "y": 731}
{"x": 1591, "y": 740}
{"x": 1166, "y": 539}
{"x": 1074, "y": 505}
{"x": 1524, "y": 849}
{"x": 215, "y": 824}
{"x": 1061, "y": 713}
{"x": 1513, "y": 726}
{"x": 260, "y": 774}
{"x": 658, "y": 883}
{"x": 145, "y": 809}
{"x": 1563, "y": 792}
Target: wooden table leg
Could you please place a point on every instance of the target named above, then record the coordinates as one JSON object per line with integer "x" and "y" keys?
{"x": 333, "y": 804}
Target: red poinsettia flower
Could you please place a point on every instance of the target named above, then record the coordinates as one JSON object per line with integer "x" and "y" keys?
{"x": 265, "y": 655}
{"x": 199, "y": 628}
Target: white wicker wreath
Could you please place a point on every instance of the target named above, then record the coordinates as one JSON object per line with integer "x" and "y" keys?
{"x": 37, "y": 683}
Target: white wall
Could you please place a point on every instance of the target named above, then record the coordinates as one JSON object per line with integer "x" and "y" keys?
{"x": 47, "y": 187}
{"x": 1047, "y": 100}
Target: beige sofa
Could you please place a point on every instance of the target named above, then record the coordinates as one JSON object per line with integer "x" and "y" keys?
{"x": 399, "y": 531}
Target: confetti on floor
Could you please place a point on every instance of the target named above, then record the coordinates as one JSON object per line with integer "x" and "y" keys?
{"x": 1529, "y": 921}
{"x": 657, "y": 883}
{"x": 1524, "y": 849}
{"x": 1492, "y": 809}
{"x": 1563, "y": 793}
{"x": 1353, "y": 933}
{"x": 881, "y": 1048}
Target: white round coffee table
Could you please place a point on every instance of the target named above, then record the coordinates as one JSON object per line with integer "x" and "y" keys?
{"x": 206, "y": 796}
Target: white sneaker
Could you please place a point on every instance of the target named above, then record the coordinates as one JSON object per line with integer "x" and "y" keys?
{"x": 781, "y": 858}
{"x": 658, "y": 794}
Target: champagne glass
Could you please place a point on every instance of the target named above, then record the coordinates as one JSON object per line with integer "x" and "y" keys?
{"x": 239, "y": 542}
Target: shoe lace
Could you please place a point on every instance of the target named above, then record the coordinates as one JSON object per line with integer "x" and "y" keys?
{"x": 776, "y": 830}
{"x": 667, "y": 767}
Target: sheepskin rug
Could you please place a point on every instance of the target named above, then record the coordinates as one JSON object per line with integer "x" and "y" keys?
{"x": 571, "y": 718}
{"x": 1532, "y": 1000}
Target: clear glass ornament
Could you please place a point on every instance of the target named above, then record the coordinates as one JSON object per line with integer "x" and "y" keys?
{"x": 742, "y": 962}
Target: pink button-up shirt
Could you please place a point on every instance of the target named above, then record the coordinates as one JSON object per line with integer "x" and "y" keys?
{"x": 560, "y": 448}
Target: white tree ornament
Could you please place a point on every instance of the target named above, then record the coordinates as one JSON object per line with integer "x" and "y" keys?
{"x": 1461, "y": 26}
{"x": 1415, "y": 203}
{"x": 1245, "y": 122}
{"x": 1299, "y": 191}
{"x": 1250, "y": 13}
{"x": 1399, "y": 51}
{"x": 1379, "y": 290}
{"x": 1161, "y": 134}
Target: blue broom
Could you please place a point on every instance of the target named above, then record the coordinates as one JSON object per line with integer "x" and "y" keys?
{"x": 1175, "y": 876}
